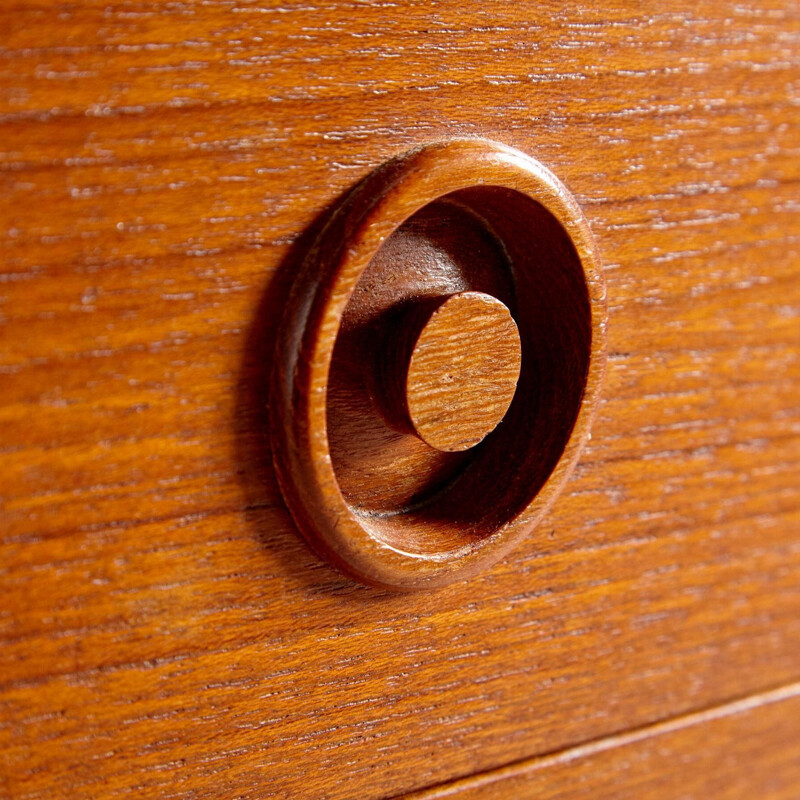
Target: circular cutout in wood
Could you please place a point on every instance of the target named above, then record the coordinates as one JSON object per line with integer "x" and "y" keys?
{"x": 439, "y": 362}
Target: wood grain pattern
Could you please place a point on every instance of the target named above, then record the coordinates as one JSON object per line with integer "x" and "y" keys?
{"x": 463, "y": 370}
{"x": 742, "y": 749}
{"x": 165, "y": 631}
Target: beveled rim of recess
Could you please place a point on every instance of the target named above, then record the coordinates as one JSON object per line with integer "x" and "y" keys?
{"x": 355, "y": 231}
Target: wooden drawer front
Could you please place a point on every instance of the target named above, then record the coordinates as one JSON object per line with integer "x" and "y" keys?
{"x": 165, "y": 630}
{"x": 747, "y": 748}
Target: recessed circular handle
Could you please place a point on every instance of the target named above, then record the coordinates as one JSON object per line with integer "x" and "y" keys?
{"x": 439, "y": 361}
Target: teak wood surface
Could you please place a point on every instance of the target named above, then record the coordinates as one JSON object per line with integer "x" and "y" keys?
{"x": 165, "y": 630}
{"x": 743, "y": 749}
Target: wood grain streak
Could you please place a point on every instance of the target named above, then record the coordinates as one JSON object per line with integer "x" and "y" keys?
{"x": 164, "y": 629}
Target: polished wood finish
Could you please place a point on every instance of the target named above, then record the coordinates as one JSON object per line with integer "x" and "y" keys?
{"x": 165, "y": 630}
{"x": 743, "y": 749}
{"x": 461, "y": 374}
{"x": 341, "y": 457}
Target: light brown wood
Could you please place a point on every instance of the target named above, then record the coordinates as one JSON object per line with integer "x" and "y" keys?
{"x": 463, "y": 370}
{"x": 747, "y": 748}
{"x": 165, "y": 630}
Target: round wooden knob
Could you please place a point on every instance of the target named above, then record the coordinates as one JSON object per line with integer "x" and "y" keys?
{"x": 462, "y": 372}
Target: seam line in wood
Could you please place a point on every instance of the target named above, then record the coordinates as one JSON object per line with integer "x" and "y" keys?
{"x": 605, "y": 743}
